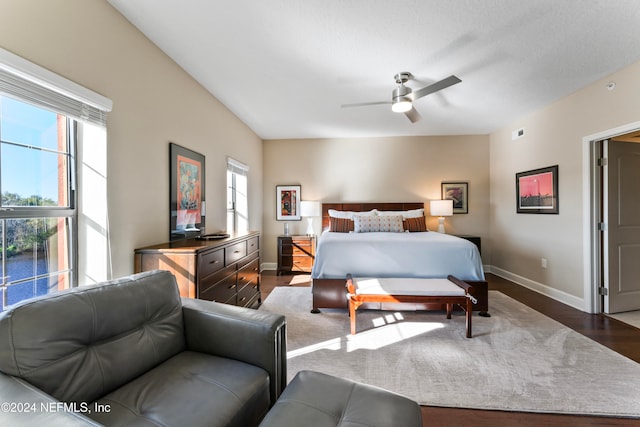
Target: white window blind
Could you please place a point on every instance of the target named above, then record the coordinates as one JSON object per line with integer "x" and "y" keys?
{"x": 237, "y": 167}
{"x": 39, "y": 86}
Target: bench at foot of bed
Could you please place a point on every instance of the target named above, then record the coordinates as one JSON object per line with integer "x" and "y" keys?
{"x": 331, "y": 293}
{"x": 447, "y": 291}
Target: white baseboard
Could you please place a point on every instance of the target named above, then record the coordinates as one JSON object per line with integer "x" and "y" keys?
{"x": 269, "y": 266}
{"x": 563, "y": 297}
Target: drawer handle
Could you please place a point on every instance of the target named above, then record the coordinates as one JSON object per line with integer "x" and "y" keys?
{"x": 215, "y": 261}
{"x": 231, "y": 287}
{"x": 240, "y": 278}
{"x": 236, "y": 252}
{"x": 243, "y": 299}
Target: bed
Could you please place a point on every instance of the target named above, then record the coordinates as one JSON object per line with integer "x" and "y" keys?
{"x": 389, "y": 254}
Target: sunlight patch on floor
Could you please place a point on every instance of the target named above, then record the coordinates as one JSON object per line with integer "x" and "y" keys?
{"x": 387, "y": 330}
{"x": 299, "y": 279}
{"x": 373, "y": 339}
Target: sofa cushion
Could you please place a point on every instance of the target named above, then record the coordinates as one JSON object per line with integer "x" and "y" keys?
{"x": 314, "y": 399}
{"x": 81, "y": 344}
{"x": 190, "y": 389}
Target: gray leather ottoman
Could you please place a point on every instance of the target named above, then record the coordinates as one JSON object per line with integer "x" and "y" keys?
{"x": 314, "y": 399}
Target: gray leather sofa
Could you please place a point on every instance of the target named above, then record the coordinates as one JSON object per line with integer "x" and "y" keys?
{"x": 132, "y": 352}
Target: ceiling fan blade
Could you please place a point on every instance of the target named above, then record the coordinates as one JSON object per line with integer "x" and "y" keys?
{"x": 363, "y": 104}
{"x": 413, "y": 115}
{"x": 442, "y": 84}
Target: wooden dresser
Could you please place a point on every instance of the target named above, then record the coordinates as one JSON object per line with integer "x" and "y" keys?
{"x": 226, "y": 270}
{"x": 296, "y": 253}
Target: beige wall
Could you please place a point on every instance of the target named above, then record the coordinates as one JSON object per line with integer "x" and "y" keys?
{"x": 154, "y": 102}
{"x": 374, "y": 170}
{"x": 554, "y": 135}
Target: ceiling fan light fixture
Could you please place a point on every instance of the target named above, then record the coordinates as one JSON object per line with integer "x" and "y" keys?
{"x": 401, "y": 101}
{"x": 401, "y": 105}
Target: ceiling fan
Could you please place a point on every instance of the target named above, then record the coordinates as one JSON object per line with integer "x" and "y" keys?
{"x": 402, "y": 97}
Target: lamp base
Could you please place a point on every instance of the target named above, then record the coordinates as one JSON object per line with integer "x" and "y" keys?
{"x": 441, "y": 225}
{"x": 310, "y": 226}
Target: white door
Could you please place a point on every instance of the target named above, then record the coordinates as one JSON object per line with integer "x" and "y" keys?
{"x": 622, "y": 241}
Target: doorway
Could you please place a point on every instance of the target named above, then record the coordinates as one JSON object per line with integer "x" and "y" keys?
{"x": 615, "y": 224}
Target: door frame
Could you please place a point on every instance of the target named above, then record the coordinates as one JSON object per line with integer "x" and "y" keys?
{"x": 591, "y": 199}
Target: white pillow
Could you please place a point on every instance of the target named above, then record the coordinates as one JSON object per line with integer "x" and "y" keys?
{"x": 414, "y": 213}
{"x": 349, "y": 214}
{"x": 373, "y": 224}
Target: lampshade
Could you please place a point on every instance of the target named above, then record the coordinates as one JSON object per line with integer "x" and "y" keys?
{"x": 441, "y": 207}
{"x": 309, "y": 208}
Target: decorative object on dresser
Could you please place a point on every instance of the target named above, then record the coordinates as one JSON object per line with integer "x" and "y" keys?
{"x": 459, "y": 193}
{"x": 288, "y": 202}
{"x": 225, "y": 270}
{"x": 310, "y": 209}
{"x": 186, "y": 196}
{"x": 296, "y": 253}
{"x": 441, "y": 208}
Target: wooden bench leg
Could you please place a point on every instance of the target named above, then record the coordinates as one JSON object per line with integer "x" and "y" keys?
{"x": 353, "y": 307}
{"x": 449, "y": 310}
{"x": 469, "y": 316}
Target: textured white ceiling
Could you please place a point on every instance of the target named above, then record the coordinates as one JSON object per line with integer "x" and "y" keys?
{"x": 284, "y": 67}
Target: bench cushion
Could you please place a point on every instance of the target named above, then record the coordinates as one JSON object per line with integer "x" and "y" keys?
{"x": 190, "y": 389}
{"x": 406, "y": 286}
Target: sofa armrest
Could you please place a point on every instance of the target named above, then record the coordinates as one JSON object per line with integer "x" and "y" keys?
{"x": 21, "y": 404}
{"x": 244, "y": 334}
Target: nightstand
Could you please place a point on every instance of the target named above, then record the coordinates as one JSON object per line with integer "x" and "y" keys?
{"x": 296, "y": 253}
{"x": 473, "y": 239}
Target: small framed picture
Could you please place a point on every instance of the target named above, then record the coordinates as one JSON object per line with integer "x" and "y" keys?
{"x": 537, "y": 191}
{"x": 459, "y": 193}
{"x": 288, "y": 202}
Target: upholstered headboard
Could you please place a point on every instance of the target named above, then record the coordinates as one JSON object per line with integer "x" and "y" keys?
{"x": 363, "y": 207}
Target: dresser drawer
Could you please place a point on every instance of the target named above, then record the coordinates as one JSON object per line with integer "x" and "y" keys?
{"x": 248, "y": 273}
{"x": 223, "y": 291}
{"x": 249, "y": 293}
{"x": 253, "y": 244}
{"x": 235, "y": 252}
{"x": 248, "y": 259}
{"x": 210, "y": 262}
{"x": 206, "y": 282}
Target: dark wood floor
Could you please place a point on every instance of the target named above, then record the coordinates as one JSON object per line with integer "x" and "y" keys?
{"x": 612, "y": 333}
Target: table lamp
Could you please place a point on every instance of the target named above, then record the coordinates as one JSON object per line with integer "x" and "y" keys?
{"x": 441, "y": 208}
{"x": 310, "y": 209}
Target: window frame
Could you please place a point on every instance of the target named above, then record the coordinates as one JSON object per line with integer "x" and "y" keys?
{"x": 68, "y": 212}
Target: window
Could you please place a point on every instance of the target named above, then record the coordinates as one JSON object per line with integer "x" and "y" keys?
{"x": 43, "y": 120}
{"x": 237, "y": 200}
{"x": 37, "y": 207}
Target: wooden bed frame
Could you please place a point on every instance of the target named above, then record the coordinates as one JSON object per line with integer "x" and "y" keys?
{"x": 331, "y": 293}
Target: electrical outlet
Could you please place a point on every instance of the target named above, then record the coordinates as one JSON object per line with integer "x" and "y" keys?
{"x": 543, "y": 262}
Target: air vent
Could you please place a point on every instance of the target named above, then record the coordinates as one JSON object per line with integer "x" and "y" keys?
{"x": 517, "y": 134}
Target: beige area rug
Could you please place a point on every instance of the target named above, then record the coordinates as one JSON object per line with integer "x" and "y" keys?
{"x": 518, "y": 359}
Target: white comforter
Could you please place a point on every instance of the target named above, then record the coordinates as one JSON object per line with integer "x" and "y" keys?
{"x": 426, "y": 254}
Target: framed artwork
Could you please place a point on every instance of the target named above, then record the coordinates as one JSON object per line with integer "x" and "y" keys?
{"x": 537, "y": 191}
{"x": 187, "y": 190}
{"x": 459, "y": 193}
{"x": 288, "y": 202}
